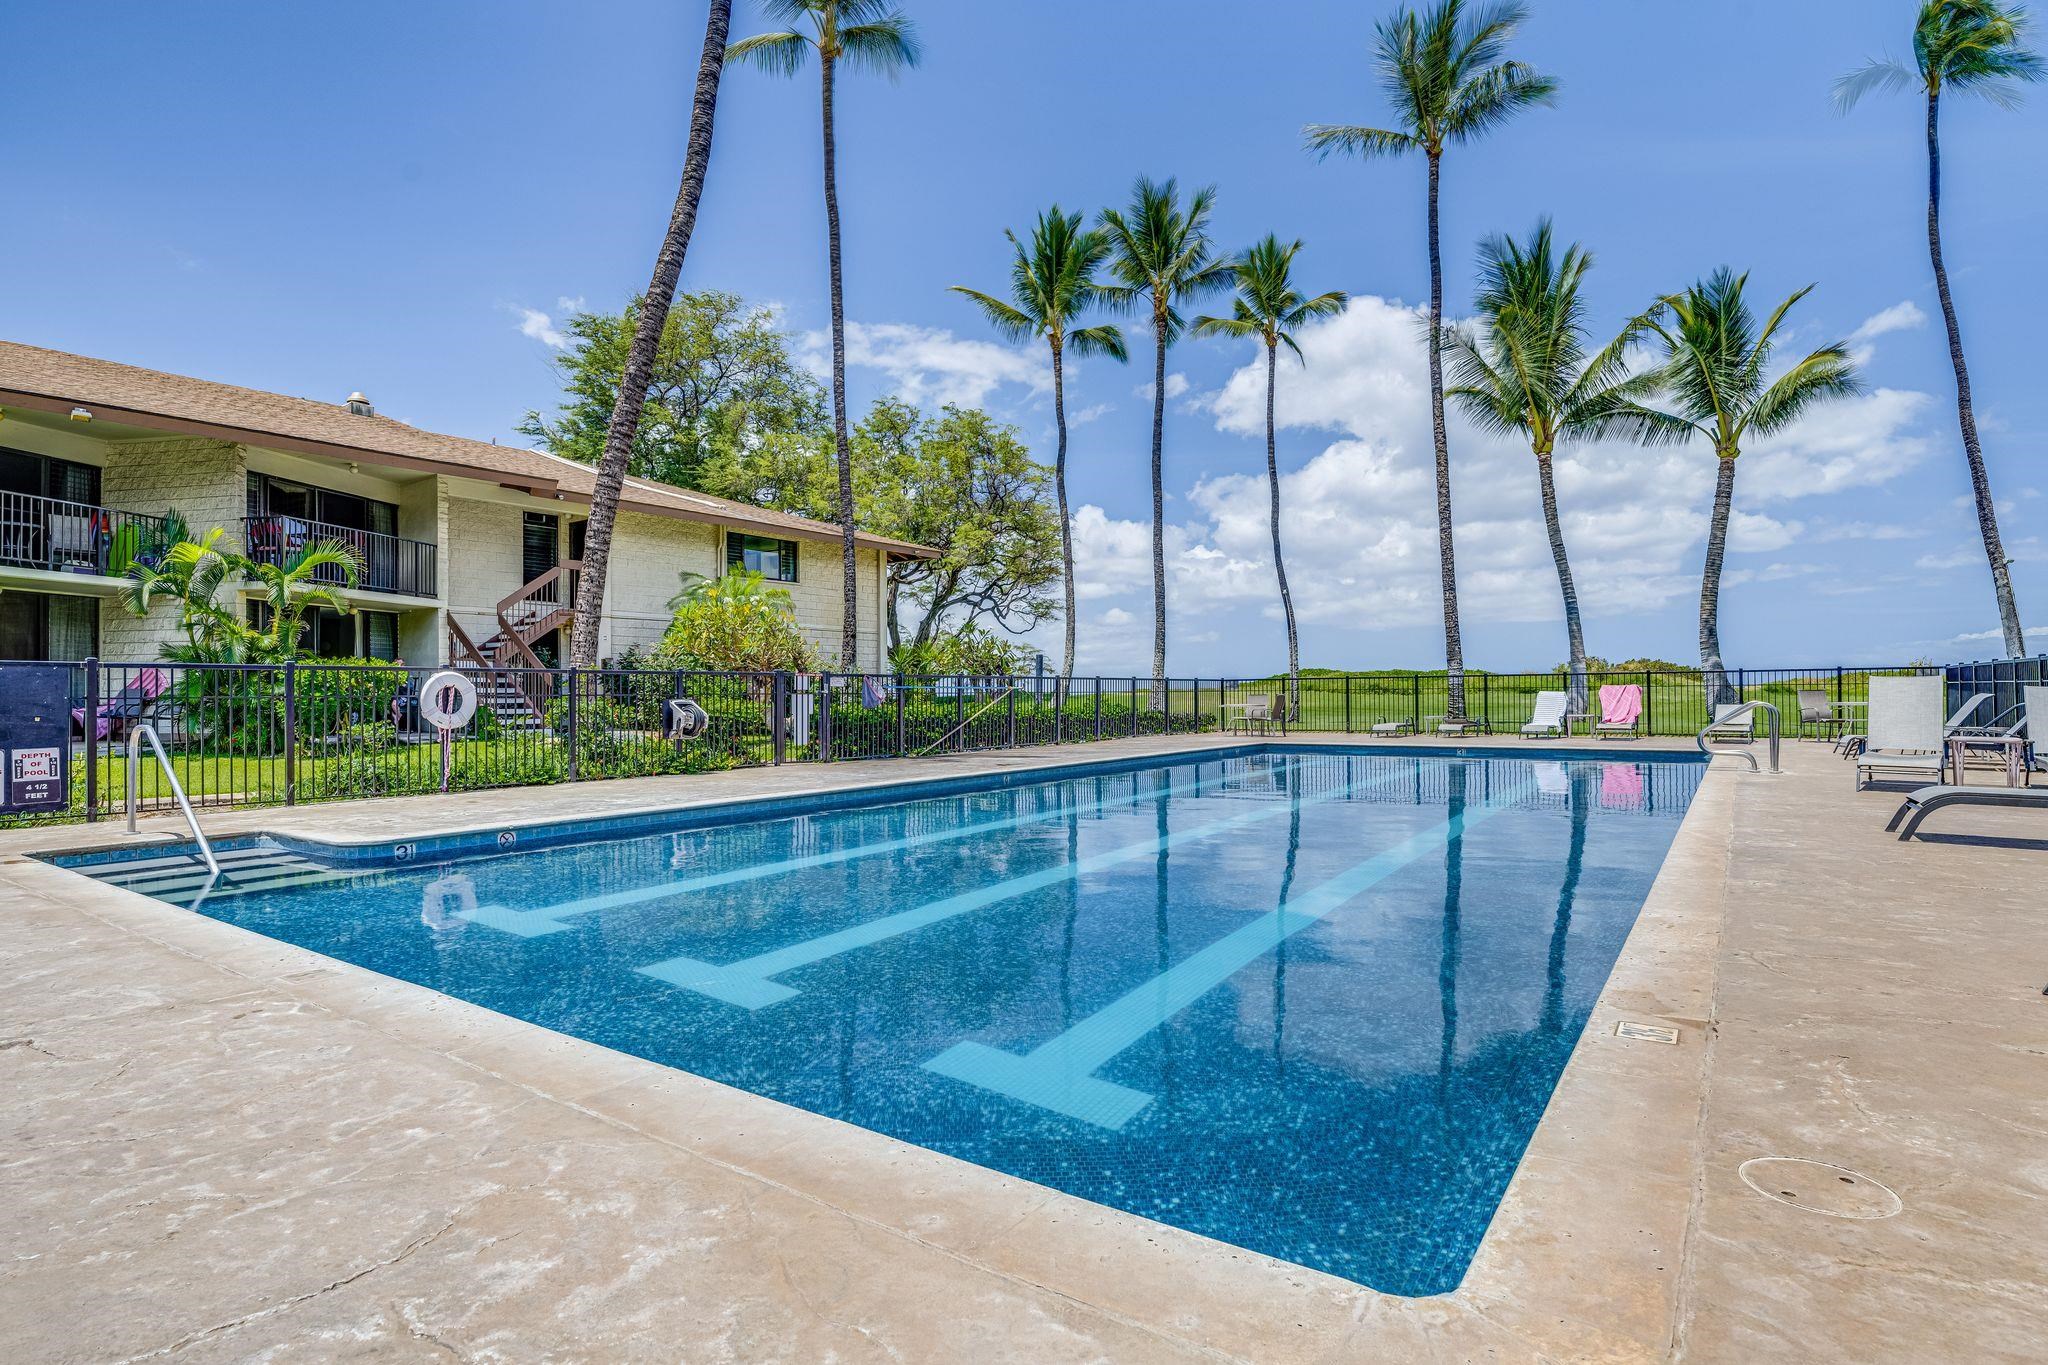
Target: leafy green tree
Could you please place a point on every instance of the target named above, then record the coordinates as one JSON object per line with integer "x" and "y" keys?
{"x": 1971, "y": 47}
{"x": 969, "y": 651}
{"x": 961, "y": 483}
{"x": 1450, "y": 80}
{"x": 648, "y": 325}
{"x": 1528, "y": 372}
{"x": 865, "y": 34}
{"x": 1714, "y": 380}
{"x": 1161, "y": 259}
{"x": 1266, "y": 307}
{"x": 734, "y": 623}
{"x": 1052, "y": 283}
{"x": 722, "y": 376}
{"x": 201, "y": 579}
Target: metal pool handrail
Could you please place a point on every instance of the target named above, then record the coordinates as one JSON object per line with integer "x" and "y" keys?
{"x": 136, "y": 735}
{"x": 1740, "y": 713}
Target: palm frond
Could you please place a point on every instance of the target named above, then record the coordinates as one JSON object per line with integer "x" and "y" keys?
{"x": 886, "y": 44}
{"x": 1876, "y": 76}
{"x": 1010, "y": 322}
{"x": 1826, "y": 373}
{"x": 315, "y": 555}
{"x": 1326, "y": 139}
{"x": 1103, "y": 339}
{"x": 779, "y": 54}
{"x": 1492, "y": 97}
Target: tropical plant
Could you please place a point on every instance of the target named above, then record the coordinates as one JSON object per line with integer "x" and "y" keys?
{"x": 1528, "y": 372}
{"x": 1161, "y": 258}
{"x": 970, "y": 651}
{"x": 1267, "y": 306}
{"x": 735, "y": 623}
{"x": 1971, "y": 47}
{"x": 194, "y": 574}
{"x": 624, "y": 427}
{"x": 1449, "y": 79}
{"x": 1052, "y": 283}
{"x": 869, "y": 34}
{"x": 723, "y": 378}
{"x": 1715, "y": 381}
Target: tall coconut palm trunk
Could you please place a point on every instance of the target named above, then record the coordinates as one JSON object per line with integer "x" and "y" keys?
{"x": 1714, "y": 671}
{"x": 1279, "y": 564}
{"x": 849, "y": 643}
{"x": 1980, "y": 482}
{"x": 1574, "y": 631}
{"x": 1157, "y": 700}
{"x": 1447, "y": 559}
{"x": 1059, "y": 483}
{"x": 639, "y": 370}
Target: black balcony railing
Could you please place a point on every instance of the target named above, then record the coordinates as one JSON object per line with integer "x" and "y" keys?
{"x": 76, "y": 537}
{"x": 385, "y": 563}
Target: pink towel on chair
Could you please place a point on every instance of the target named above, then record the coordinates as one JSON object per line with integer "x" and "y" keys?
{"x": 1620, "y": 703}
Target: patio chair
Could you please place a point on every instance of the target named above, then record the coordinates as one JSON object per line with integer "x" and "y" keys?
{"x": 1547, "y": 717}
{"x": 1852, "y": 745}
{"x": 1818, "y": 710}
{"x": 1906, "y": 733}
{"x": 1928, "y": 800}
{"x": 1392, "y": 729}
{"x": 1621, "y": 711}
{"x": 1724, "y": 730}
{"x": 126, "y": 707}
{"x": 1263, "y": 714}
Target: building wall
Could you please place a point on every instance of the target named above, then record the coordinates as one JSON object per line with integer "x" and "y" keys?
{"x": 203, "y": 481}
{"x": 649, "y": 556}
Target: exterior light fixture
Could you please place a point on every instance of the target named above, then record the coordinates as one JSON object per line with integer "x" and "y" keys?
{"x": 81, "y": 415}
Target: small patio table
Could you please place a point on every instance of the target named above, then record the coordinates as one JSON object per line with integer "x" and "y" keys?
{"x": 2012, "y": 749}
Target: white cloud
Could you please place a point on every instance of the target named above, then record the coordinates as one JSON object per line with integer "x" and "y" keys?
{"x": 1901, "y": 316}
{"x": 541, "y": 327}
{"x": 1359, "y": 519}
{"x": 1090, "y": 414}
{"x": 1828, "y": 532}
{"x": 1972, "y": 636}
{"x": 1176, "y": 385}
{"x": 1954, "y": 559}
{"x": 1117, "y": 616}
{"x": 930, "y": 365}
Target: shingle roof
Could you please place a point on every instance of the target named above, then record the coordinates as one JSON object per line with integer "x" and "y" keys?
{"x": 56, "y": 381}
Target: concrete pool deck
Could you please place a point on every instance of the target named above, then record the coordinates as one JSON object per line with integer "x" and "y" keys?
{"x": 221, "y": 1147}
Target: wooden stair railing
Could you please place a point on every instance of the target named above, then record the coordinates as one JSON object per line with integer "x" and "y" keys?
{"x": 547, "y": 603}
{"x": 465, "y": 651}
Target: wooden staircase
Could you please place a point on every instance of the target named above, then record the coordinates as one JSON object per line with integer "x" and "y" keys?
{"x": 510, "y": 678}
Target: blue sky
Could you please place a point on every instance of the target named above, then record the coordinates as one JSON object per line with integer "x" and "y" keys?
{"x": 389, "y": 199}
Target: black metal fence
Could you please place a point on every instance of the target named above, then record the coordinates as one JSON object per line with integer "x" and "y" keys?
{"x": 252, "y": 735}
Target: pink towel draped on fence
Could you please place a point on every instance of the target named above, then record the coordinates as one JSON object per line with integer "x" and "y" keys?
{"x": 1620, "y": 703}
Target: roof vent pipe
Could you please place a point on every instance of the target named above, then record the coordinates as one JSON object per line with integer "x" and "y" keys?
{"x": 360, "y": 405}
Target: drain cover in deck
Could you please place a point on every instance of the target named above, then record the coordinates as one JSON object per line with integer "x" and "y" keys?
{"x": 1645, "y": 1033}
{"x": 1818, "y": 1187}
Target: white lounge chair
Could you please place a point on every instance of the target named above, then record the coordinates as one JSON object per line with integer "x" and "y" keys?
{"x": 1740, "y": 730}
{"x": 1548, "y": 717}
{"x": 1906, "y": 734}
{"x": 1928, "y": 800}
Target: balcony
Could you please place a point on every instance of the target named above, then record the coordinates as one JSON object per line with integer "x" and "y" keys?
{"x": 388, "y": 563}
{"x": 76, "y": 537}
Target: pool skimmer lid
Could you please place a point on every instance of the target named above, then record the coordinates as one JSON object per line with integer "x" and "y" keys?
{"x": 1819, "y": 1187}
{"x": 1645, "y": 1033}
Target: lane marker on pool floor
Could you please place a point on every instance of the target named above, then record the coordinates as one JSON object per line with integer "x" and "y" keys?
{"x": 1058, "y": 1073}
{"x": 747, "y": 983}
{"x": 552, "y": 919}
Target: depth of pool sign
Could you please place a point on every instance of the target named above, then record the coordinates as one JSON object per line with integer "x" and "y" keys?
{"x": 35, "y": 734}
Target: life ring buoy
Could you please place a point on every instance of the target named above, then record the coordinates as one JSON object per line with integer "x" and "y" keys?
{"x": 447, "y": 700}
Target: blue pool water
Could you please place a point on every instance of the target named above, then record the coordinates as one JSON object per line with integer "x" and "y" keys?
{"x": 1312, "y": 1003}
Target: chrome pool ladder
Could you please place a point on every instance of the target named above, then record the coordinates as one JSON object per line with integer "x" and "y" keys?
{"x": 1743, "y": 712}
{"x": 136, "y": 735}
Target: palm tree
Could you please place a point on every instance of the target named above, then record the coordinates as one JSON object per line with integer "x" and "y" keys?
{"x": 1052, "y": 282}
{"x": 193, "y": 573}
{"x": 1266, "y": 307}
{"x": 1714, "y": 375}
{"x": 865, "y": 34}
{"x": 1161, "y": 253}
{"x": 1973, "y": 47}
{"x": 1450, "y": 81}
{"x": 1529, "y": 372}
{"x": 640, "y": 359}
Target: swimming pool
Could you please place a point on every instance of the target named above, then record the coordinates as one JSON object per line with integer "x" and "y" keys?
{"x": 1306, "y": 1001}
